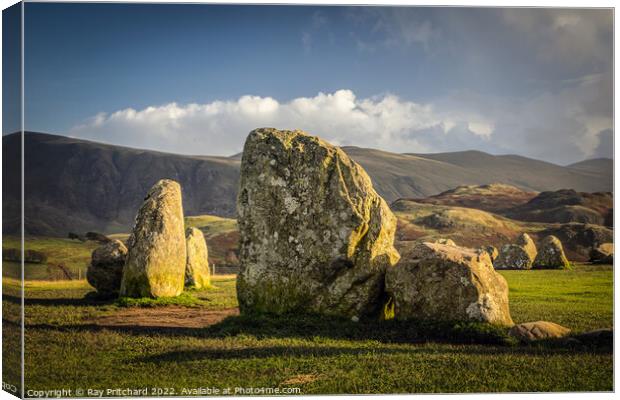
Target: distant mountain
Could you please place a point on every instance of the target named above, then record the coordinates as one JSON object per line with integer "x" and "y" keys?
{"x": 78, "y": 185}
{"x": 597, "y": 165}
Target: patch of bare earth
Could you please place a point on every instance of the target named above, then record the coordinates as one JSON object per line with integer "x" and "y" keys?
{"x": 166, "y": 317}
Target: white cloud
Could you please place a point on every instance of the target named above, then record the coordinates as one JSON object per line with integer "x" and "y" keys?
{"x": 552, "y": 126}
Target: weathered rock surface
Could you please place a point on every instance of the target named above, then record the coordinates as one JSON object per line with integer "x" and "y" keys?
{"x": 439, "y": 282}
{"x": 551, "y": 254}
{"x": 314, "y": 235}
{"x": 197, "y": 272}
{"x": 156, "y": 259}
{"x": 525, "y": 241}
{"x": 106, "y": 267}
{"x": 517, "y": 256}
{"x": 530, "y": 331}
{"x": 491, "y": 251}
{"x": 603, "y": 254}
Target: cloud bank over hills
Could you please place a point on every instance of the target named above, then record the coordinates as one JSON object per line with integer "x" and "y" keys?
{"x": 552, "y": 126}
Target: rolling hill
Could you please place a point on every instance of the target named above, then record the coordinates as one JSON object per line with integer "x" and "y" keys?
{"x": 78, "y": 185}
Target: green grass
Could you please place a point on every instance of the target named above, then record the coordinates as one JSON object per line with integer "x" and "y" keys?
{"x": 65, "y": 349}
{"x": 73, "y": 254}
{"x": 211, "y": 225}
{"x": 580, "y": 298}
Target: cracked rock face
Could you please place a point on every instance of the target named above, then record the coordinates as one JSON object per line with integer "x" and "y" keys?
{"x": 315, "y": 236}
{"x": 156, "y": 259}
{"x": 197, "y": 272}
{"x": 551, "y": 254}
{"x": 439, "y": 282}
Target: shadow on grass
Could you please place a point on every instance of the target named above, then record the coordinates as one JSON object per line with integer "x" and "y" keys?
{"x": 88, "y": 300}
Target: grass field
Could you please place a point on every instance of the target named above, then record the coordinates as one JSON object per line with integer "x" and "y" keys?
{"x": 73, "y": 341}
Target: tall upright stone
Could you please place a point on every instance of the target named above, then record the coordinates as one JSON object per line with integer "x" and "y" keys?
{"x": 315, "y": 236}
{"x": 156, "y": 258}
{"x": 197, "y": 272}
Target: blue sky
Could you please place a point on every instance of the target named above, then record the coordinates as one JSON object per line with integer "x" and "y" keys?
{"x": 195, "y": 79}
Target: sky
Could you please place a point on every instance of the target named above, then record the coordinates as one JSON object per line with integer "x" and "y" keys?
{"x": 195, "y": 79}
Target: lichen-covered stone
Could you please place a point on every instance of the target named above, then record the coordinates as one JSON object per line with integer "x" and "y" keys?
{"x": 551, "y": 254}
{"x": 197, "y": 272}
{"x": 447, "y": 283}
{"x": 517, "y": 256}
{"x": 106, "y": 267}
{"x": 156, "y": 259}
{"x": 314, "y": 235}
{"x": 530, "y": 331}
{"x": 603, "y": 254}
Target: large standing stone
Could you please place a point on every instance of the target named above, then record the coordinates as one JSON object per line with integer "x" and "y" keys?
{"x": 440, "y": 282}
{"x": 314, "y": 235}
{"x": 551, "y": 254}
{"x": 106, "y": 267}
{"x": 517, "y": 256}
{"x": 197, "y": 273}
{"x": 156, "y": 260}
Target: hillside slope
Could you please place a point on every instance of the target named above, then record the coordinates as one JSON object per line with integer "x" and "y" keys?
{"x": 78, "y": 185}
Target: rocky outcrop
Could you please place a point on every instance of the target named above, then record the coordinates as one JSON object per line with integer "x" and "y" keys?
{"x": 105, "y": 271}
{"x": 439, "y": 282}
{"x": 314, "y": 235}
{"x": 517, "y": 256}
{"x": 156, "y": 259}
{"x": 551, "y": 254}
{"x": 603, "y": 254}
{"x": 197, "y": 272}
{"x": 530, "y": 331}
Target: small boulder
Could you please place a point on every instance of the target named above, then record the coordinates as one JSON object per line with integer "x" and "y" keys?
{"x": 447, "y": 283}
{"x": 517, "y": 256}
{"x": 315, "y": 237}
{"x": 197, "y": 272}
{"x": 602, "y": 254}
{"x": 551, "y": 254}
{"x": 106, "y": 267}
{"x": 530, "y": 331}
{"x": 157, "y": 258}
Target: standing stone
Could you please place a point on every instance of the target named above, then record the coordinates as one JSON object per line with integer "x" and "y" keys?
{"x": 551, "y": 254}
{"x": 156, "y": 259}
{"x": 526, "y": 242}
{"x": 197, "y": 273}
{"x": 603, "y": 254}
{"x": 106, "y": 267}
{"x": 446, "y": 283}
{"x": 314, "y": 235}
{"x": 517, "y": 256}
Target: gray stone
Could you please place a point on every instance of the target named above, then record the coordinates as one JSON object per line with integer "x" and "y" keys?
{"x": 314, "y": 235}
{"x": 106, "y": 267}
{"x": 447, "y": 283}
{"x": 156, "y": 259}
{"x": 197, "y": 272}
{"x": 539, "y": 330}
{"x": 551, "y": 254}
